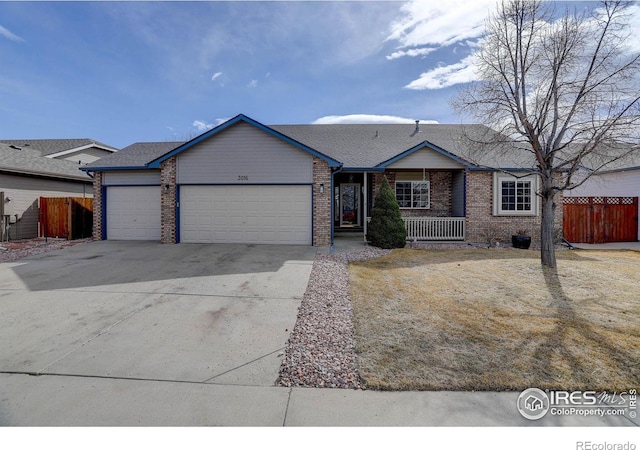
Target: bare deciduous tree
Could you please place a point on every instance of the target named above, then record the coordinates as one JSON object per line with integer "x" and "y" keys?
{"x": 562, "y": 88}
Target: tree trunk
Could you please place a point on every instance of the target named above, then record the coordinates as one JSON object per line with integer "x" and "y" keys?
{"x": 548, "y": 249}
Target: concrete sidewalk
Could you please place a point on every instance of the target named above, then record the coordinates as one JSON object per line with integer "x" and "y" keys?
{"x": 58, "y": 400}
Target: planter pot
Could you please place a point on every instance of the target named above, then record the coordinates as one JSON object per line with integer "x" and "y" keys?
{"x": 522, "y": 242}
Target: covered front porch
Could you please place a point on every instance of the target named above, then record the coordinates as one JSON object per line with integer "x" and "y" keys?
{"x": 431, "y": 202}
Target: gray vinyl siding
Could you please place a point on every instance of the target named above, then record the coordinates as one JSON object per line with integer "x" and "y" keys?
{"x": 131, "y": 178}
{"x": 26, "y": 192}
{"x": 244, "y": 154}
{"x": 457, "y": 194}
{"x": 615, "y": 184}
{"x": 425, "y": 158}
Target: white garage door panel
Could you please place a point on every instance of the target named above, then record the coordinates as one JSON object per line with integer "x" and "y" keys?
{"x": 245, "y": 214}
{"x": 133, "y": 213}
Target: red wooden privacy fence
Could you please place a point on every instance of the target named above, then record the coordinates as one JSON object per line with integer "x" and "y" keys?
{"x": 66, "y": 217}
{"x": 596, "y": 220}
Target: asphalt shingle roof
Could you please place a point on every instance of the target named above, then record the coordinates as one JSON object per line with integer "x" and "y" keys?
{"x": 30, "y": 161}
{"x": 368, "y": 145}
{"x": 608, "y": 158}
{"x": 135, "y": 155}
{"x": 361, "y": 146}
{"x": 52, "y": 146}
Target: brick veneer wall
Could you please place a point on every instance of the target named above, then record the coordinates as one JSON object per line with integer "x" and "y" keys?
{"x": 97, "y": 206}
{"x": 168, "y": 201}
{"x": 481, "y": 223}
{"x": 440, "y": 185}
{"x": 321, "y": 203}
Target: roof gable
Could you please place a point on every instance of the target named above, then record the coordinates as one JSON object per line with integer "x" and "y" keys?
{"x": 241, "y": 118}
{"x": 53, "y": 148}
{"x": 425, "y": 155}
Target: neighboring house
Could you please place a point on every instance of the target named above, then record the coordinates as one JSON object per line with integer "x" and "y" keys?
{"x": 30, "y": 169}
{"x": 606, "y": 204}
{"x": 245, "y": 182}
{"x": 80, "y": 151}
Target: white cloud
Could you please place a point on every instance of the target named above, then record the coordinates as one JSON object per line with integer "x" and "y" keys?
{"x": 215, "y": 76}
{"x": 438, "y": 23}
{"x": 365, "y": 118}
{"x": 9, "y": 35}
{"x": 427, "y": 26}
{"x": 446, "y": 76}
{"x": 252, "y": 84}
{"x": 202, "y": 126}
{"x": 412, "y": 52}
{"x": 634, "y": 27}
{"x": 632, "y": 13}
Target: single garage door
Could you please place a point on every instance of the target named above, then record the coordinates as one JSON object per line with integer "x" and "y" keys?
{"x": 133, "y": 213}
{"x": 246, "y": 214}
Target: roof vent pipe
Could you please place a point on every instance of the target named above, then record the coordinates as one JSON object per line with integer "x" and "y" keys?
{"x": 417, "y": 127}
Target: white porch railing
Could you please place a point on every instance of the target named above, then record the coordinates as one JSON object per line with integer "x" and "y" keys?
{"x": 434, "y": 228}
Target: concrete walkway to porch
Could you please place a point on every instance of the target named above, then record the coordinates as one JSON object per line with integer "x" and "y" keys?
{"x": 348, "y": 243}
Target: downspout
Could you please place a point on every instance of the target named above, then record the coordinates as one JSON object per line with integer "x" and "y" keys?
{"x": 84, "y": 186}
{"x": 365, "y": 207}
{"x": 333, "y": 201}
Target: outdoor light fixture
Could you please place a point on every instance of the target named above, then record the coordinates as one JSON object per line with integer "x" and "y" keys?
{"x": 166, "y": 188}
{"x": 322, "y": 188}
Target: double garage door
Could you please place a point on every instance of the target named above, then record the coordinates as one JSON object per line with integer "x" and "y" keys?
{"x": 216, "y": 214}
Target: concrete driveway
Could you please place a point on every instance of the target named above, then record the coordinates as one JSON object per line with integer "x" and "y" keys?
{"x": 146, "y": 311}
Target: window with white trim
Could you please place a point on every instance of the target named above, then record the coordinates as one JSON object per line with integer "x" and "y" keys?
{"x": 515, "y": 196}
{"x": 413, "y": 194}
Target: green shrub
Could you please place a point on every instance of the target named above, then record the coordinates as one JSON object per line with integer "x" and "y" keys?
{"x": 386, "y": 229}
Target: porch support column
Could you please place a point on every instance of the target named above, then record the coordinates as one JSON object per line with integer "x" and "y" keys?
{"x": 365, "y": 207}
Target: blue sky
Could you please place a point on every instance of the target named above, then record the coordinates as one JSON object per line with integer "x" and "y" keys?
{"x": 124, "y": 72}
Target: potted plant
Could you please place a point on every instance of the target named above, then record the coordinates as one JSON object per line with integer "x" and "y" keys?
{"x": 521, "y": 239}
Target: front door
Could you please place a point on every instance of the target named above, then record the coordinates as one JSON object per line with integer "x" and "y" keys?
{"x": 349, "y": 205}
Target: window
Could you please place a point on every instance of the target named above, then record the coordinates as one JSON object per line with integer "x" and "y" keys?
{"x": 413, "y": 194}
{"x": 515, "y": 196}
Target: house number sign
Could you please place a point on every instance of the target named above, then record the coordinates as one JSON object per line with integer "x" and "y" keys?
{"x": 243, "y": 177}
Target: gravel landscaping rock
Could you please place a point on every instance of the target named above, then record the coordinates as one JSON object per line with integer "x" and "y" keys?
{"x": 14, "y": 250}
{"x": 321, "y": 349}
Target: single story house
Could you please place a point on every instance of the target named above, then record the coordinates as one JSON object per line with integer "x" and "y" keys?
{"x": 33, "y": 169}
{"x": 245, "y": 182}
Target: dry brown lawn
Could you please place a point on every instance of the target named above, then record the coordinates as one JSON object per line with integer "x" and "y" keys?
{"x": 494, "y": 320}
